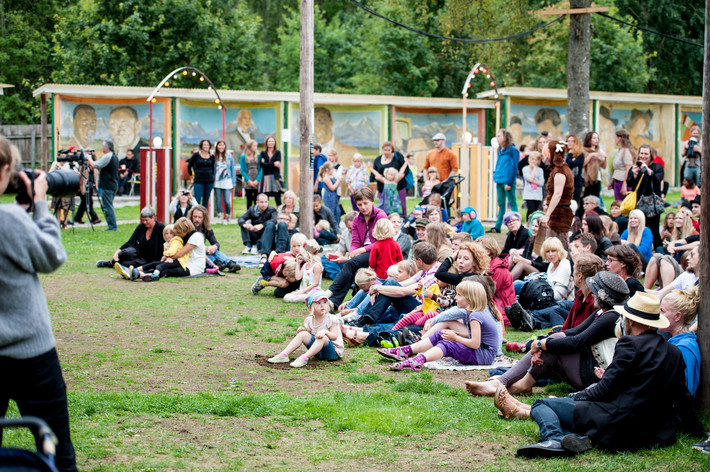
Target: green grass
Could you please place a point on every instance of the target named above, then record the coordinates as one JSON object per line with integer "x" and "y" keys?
{"x": 171, "y": 376}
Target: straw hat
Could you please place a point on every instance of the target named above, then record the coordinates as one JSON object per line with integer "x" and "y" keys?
{"x": 644, "y": 308}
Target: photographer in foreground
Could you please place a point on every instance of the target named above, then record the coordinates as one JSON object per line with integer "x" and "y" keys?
{"x": 31, "y": 374}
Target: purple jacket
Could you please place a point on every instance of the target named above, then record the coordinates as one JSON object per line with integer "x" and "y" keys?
{"x": 360, "y": 229}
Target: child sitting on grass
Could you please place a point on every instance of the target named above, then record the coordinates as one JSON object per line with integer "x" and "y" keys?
{"x": 308, "y": 270}
{"x": 471, "y": 224}
{"x": 322, "y": 233}
{"x": 280, "y": 269}
{"x": 320, "y": 334}
{"x": 173, "y": 236}
{"x": 478, "y": 348}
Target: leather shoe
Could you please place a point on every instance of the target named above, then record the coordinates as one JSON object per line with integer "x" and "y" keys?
{"x": 576, "y": 444}
{"x": 519, "y": 318}
{"x": 542, "y": 449}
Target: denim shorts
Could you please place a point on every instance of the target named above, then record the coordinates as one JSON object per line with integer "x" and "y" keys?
{"x": 328, "y": 352}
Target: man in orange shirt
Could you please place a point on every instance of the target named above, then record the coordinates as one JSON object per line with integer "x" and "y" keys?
{"x": 442, "y": 158}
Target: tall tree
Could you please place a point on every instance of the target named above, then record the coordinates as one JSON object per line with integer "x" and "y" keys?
{"x": 134, "y": 42}
{"x": 25, "y": 55}
{"x": 679, "y": 66}
{"x": 578, "y": 57}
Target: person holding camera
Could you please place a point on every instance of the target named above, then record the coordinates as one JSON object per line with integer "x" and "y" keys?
{"x": 693, "y": 151}
{"x": 31, "y": 372}
{"x": 652, "y": 174}
{"x": 108, "y": 181}
{"x": 181, "y": 203}
{"x": 86, "y": 192}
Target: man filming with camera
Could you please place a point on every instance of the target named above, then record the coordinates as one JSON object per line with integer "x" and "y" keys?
{"x": 108, "y": 181}
{"x": 31, "y": 373}
{"x": 693, "y": 151}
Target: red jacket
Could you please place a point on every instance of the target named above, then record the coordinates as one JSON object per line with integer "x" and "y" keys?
{"x": 383, "y": 255}
{"x": 505, "y": 293}
{"x": 580, "y": 311}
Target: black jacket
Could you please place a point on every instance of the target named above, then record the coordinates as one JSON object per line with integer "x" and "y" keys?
{"x": 151, "y": 250}
{"x": 635, "y": 403}
{"x": 257, "y": 217}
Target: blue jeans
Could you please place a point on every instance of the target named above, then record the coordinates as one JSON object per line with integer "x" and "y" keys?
{"x": 330, "y": 269}
{"x": 377, "y": 311}
{"x": 693, "y": 172}
{"x": 107, "y": 206}
{"x": 518, "y": 286}
{"x": 202, "y": 193}
{"x": 275, "y": 237}
{"x": 220, "y": 195}
{"x": 327, "y": 353}
{"x": 502, "y": 195}
{"x": 552, "y": 316}
{"x": 554, "y": 416}
{"x": 219, "y": 256}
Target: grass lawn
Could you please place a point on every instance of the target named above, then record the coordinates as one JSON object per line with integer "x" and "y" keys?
{"x": 172, "y": 376}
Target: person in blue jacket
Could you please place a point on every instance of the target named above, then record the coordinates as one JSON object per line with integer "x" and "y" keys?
{"x": 471, "y": 224}
{"x": 505, "y": 175}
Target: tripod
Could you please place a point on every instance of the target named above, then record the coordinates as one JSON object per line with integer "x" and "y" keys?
{"x": 87, "y": 203}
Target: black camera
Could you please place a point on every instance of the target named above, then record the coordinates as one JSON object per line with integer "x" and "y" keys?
{"x": 692, "y": 142}
{"x": 71, "y": 156}
{"x": 60, "y": 183}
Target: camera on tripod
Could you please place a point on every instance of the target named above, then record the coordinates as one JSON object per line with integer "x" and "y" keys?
{"x": 66, "y": 155}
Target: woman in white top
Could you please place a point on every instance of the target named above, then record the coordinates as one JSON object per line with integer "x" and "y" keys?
{"x": 559, "y": 271}
{"x": 196, "y": 259}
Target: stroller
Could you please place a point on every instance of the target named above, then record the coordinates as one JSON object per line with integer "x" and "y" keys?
{"x": 448, "y": 191}
{"x": 20, "y": 460}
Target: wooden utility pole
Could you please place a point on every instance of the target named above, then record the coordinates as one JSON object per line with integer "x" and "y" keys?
{"x": 704, "y": 311}
{"x": 578, "y": 57}
{"x": 305, "y": 181}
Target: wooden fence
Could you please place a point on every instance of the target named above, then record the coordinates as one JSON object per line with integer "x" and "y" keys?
{"x": 28, "y": 139}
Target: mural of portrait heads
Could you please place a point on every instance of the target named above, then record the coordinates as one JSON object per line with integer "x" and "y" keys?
{"x": 516, "y": 129}
{"x": 607, "y": 128}
{"x": 244, "y": 120}
{"x": 548, "y": 119}
{"x": 125, "y": 127}
{"x": 84, "y": 123}
{"x": 323, "y": 125}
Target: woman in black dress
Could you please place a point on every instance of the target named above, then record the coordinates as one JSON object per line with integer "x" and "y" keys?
{"x": 270, "y": 162}
{"x": 201, "y": 167}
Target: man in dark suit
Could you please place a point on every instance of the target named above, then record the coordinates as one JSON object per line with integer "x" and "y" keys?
{"x": 635, "y": 403}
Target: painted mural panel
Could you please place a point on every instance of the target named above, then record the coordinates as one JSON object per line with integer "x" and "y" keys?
{"x": 689, "y": 117}
{"x": 86, "y": 124}
{"x": 527, "y": 121}
{"x": 413, "y": 131}
{"x": 204, "y": 121}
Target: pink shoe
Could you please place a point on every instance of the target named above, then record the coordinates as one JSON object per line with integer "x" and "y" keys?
{"x": 409, "y": 364}
{"x": 212, "y": 270}
{"x": 396, "y": 353}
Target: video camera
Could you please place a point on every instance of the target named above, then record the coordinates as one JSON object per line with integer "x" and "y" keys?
{"x": 66, "y": 155}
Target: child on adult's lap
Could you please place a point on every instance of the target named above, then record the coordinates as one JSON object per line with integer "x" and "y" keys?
{"x": 320, "y": 334}
{"x": 478, "y": 348}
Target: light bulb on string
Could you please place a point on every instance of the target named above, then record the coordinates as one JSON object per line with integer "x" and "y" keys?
{"x": 184, "y": 72}
{"x": 202, "y": 79}
{"x": 216, "y": 100}
{"x": 167, "y": 84}
{"x": 155, "y": 100}
{"x": 219, "y": 107}
{"x": 193, "y": 74}
{"x": 175, "y": 76}
{"x": 493, "y": 84}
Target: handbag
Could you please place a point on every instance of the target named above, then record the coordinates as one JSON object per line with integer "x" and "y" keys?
{"x": 652, "y": 205}
{"x": 629, "y": 201}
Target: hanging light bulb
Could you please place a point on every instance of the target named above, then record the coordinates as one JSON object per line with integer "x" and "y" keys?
{"x": 202, "y": 79}
{"x": 219, "y": 107}
{"x": 155, "y": 100}
{"x": 175, "y": 76}
{"x": 184, "y": 72}
{"x": 167, "y": 84}
{"x": 493, "y": 84}
{"x": 193, "y": 73}
{"x": 216, "y": 100}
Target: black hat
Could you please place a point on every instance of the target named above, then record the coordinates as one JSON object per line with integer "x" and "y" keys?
{"x": 608, "y": 287}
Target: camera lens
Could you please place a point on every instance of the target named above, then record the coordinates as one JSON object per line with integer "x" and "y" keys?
{"x": 62, "y": 183}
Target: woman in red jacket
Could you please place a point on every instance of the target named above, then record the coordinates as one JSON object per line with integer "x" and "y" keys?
{"x": 498, "y": 270}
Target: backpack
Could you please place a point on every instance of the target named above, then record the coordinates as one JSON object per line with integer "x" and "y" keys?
{"x": 536, "y": 294}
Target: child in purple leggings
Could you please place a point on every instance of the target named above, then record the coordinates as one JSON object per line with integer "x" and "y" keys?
{"x": 478, "y": 348}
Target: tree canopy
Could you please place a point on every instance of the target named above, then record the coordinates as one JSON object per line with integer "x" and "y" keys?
{"x": 254, "y": 45}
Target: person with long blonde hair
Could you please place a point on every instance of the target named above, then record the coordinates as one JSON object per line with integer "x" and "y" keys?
{"x": 680, "y": 307}
{"x": 638, "y": 236}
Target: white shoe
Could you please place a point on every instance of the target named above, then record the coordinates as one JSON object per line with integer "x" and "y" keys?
{"x": 298, "y": 362}
{"x": 254, "y": 251}
{"x": 246, "y": 250}
{"x": 278, "y": 359}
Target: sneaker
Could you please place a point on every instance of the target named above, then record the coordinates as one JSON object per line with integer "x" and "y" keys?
{"x": 254, "y": 251}
{"x": 409, "y": 364}
{"x": 392, "y": 353}
{"x": 299, "y": 362}
{"x": 278, "y": 359}
{"x": 220, "y": 265}
{"x": 232, "y": 266}
{"x": 703, "y": 446}
{"x": 512, "y": 346}
{"x": 135, "y": 274}
{"x": 122, "y": 271}
{"x": 257, "y": 286}
{"x": 246, "y": 250}
{"x": 519, "y": 318}
{"x": 104, "y": 264}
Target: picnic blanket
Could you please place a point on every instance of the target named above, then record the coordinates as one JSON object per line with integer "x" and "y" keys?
{"x": 251, "y": 262}
{"x": 449, "y": 363}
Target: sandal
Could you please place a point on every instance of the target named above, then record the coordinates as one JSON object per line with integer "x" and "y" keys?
{"x": 503, "y": 400}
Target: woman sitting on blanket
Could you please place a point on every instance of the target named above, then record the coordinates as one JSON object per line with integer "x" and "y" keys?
{"x": 570, "y": 355}
{"x": 477, "y": 346}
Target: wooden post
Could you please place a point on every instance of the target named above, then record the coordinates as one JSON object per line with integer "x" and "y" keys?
{"x": 578, "y": 57}
{"x": 704, "y": 311}
{"x": 305, "y": 181}
{"x": 43, "y": 130}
